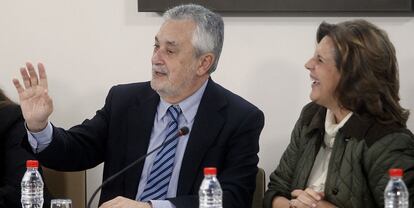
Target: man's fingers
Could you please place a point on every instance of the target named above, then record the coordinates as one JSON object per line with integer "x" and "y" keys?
{"x": 25, "y": 77}
{"x": 33, "y": 75}
{"x": 110, "y": 203}
{"x": 106, "y": 204}
{"x": 18, "y": 86}
{"x": 122, "y": 202}
{"x": 42, "y": 75}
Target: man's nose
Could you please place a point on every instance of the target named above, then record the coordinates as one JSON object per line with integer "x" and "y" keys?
{"x": 157, "y": 58}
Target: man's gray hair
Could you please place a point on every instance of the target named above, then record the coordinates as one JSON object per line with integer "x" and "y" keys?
{"x": 209, "y": 33}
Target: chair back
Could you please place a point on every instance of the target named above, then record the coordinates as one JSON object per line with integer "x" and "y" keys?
{"x": 260, "y": 189}
{"x": 66, "y": 185}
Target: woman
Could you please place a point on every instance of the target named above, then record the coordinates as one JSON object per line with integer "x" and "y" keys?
{"x": 12, "y": 156}
{"x": 354, "y": 129}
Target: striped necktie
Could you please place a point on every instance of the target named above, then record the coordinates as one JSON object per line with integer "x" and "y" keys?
{"x": 163, "y": 165}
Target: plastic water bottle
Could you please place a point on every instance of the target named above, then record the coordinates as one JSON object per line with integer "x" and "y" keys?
{"x": 32, "y": 186}
{"x": 396, "y": 192}
{"x": 210, "y": 193}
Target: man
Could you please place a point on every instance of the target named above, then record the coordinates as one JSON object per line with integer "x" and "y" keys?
{"x": 136, "y": 118}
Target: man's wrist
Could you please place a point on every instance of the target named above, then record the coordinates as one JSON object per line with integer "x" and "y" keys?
{"x": 37, "y": 127}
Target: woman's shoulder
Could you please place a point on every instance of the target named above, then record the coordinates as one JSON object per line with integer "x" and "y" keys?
{"x": 380, "y": 133}
{"x": 9, "y": 115}
{"x": 312, "y": 116}
{"x": 402, "y": 137}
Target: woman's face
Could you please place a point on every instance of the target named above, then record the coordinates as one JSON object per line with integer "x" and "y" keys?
{"x": 324, "y": 74}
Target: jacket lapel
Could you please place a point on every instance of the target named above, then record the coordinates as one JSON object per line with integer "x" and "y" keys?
{"x": 314, "y": 118}
{"x": 140, "y": 123}
{"x": 207, "y": 124}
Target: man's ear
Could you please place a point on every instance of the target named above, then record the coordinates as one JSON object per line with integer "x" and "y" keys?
{"x": 206, "y": 61}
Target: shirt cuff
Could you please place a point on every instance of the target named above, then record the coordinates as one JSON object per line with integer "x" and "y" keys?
{"x": 162, "y": 204}
{"x": 40, "y": 140}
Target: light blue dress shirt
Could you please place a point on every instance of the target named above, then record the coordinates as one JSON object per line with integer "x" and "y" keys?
{"x": 39, "y": 141}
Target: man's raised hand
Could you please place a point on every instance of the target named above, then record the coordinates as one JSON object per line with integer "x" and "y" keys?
{"x": 34, "y": 98}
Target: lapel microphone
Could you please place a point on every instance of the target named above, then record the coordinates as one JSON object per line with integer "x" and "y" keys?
{"x": 181, "y": 132}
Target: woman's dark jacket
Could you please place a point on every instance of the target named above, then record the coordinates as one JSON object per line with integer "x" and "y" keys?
{"x": 13, "y": 157}
{"x": 363, "y": 152}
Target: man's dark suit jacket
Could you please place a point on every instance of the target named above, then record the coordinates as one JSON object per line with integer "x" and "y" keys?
{"x": 13, "y": 157}
{"x": 225, "y": 134}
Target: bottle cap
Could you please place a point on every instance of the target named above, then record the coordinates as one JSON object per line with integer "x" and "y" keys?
{"x": 32, "y": 164}
{"x": 396, "y": 172}
{"x": 210, "y": 171}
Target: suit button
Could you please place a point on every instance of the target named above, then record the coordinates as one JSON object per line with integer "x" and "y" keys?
{"x": 335, "y": 191}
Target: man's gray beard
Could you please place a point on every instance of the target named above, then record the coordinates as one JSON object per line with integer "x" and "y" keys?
{"x": 163, "y": 93}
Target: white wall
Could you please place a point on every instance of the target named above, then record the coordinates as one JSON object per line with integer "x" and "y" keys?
{"x": 88, "y": 46}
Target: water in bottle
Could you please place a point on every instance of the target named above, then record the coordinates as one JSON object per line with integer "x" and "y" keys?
{"x": 210, "y": 193}
{"x": 396, "y": 192}
{"x": 32, "y": 186}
